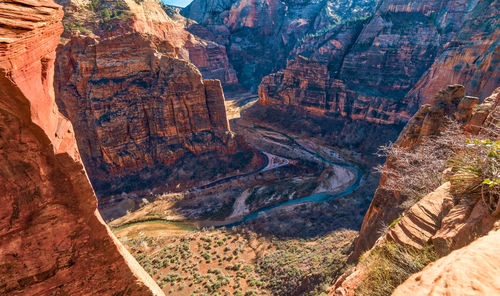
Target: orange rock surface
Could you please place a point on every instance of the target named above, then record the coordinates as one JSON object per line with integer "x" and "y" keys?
{"x": 471, "y": 270}
{"x": 382, "y": 70}
{"x": 138, "y": 106}
{"x": 453, "y": 225}
{"x": 427, "y": 121}
{"x": 52, "y": 238}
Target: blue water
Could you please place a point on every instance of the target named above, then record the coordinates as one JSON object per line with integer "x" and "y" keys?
{"x": 318, "y": 197}
{"x": 178, "y": 3}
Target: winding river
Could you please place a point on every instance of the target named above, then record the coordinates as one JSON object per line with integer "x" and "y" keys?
{"x": 318, "y": 197}
{"x": 313, "y": 198}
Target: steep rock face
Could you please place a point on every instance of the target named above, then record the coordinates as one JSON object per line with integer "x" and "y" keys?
{"x": 52, "y": 239}
{"x": 471, "y": 58}
{"x": 210, "y": 58}
{"x": 463, "y": 233}
{"x": 137, "y": 105}
{"x": 428, "y": 121}
{"x": 472, "y": 270}
{"x": 371, "y": 72}
{"x": 459, "y": 225}
{"x": 260, "y": 35}
{"x": 153, "y": 18}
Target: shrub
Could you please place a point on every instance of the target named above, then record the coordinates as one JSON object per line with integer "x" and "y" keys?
{"x": 476, "y": 172}
{"x": 389, "y": 265}
{"x": 417, "y": 171}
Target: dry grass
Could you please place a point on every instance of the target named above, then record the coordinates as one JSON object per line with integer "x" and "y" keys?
{"x": 417, "y": 171}
{"x": 389, "y": 265}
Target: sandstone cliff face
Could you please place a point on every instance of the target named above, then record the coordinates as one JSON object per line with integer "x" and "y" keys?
{"x": 52, "y": 239}
{"x": 428, "y": 121}
{"x": 464, "y": 234}
{"x": 471, "y": 58}
{"x": 138, "y": 106}
{"x": 472, "y": 270}
{"x": 372, "y": 67}
{"x": 260, "y": 35}
{"x": 449, "y": 220}
{"x": 155, "y": 19}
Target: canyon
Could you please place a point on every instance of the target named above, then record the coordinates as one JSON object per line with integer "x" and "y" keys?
{"x": 53, "y": 240}
{"x": 230, "y": 147}
{"x": 259, "y": 36}
{"x": 141, "y": 111}
{"x": 370, "y": 66}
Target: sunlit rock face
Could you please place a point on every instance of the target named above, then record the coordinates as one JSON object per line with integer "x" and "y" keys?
{"x": 259, "y": 36}
{"x": 429, "y": 121}
{"x": 138, "y": 105}
{"x": 52, "y": 239}
{"x": 383, "y": 69}
{"x": 461, "y": 227}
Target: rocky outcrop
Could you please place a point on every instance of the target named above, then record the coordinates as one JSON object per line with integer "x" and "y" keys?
{"x": 52, "y": 239}
{"x": 462, "y": 270}
{"x": 446, "y": 219}
{"x": 379, "y": 72}
{"x": 423, "y": 220}
{"x": 260, "y": 35}
{"x": 153, "y": 18}
{"x": 428, "y": 121}
{"x": 140, "y": 109}
{"x": 470, "y": 58}
{"x": 472, "y": 270}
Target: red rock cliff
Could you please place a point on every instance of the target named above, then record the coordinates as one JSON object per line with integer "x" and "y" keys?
{"x": 428, "y": 121}
{"x": 383, "y": 70}
{"x": 139, "y": 107}
{"x": 460, "y": 226}
{"x": 260, "y": 35}
{"x": 472, "y": 58}
{"x": 52, "y": 238}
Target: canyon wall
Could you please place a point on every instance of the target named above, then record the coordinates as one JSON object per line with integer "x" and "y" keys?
{"x": 143, "y": 116}
{"x": 53, "y": 240}
{"x": 471, "y": 58}
{"x": 386, "y": 205}
{"x": 458, "y": 223}
{"x": 383, "y": 70}
{"x": 260, "y": 35}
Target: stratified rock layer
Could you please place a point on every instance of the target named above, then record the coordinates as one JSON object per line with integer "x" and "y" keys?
{"x": 137, "y": 104}
{"x": 379, "y": 71}
{"x": 471, "y": 58}
{"x": 461, "y": 228}
{"x": 52, "y": 238}
{"x": 260, "y": 35}
{"x": 472, "y": 270}
{"x": 428, "y": 121}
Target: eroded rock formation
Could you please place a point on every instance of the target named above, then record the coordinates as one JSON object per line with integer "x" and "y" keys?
{"x": 471, "y": 58}
{"x": 379, "y": 72}
{"x": 459, "y": 226}
{"x": 140, "y": 109}
{"x": 472, "y": 270}
{"x": 52, "y": 238}
{"x": 260, "y": 35}
{"x": 428, "y": 121}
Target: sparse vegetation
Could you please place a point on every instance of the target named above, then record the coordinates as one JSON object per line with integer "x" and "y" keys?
{"x": 301, "y": 267}
{"x": 235, "y": 262}
{"x": 476, "y": 172}
{"x": 389, "y": 264}
{"x": 418, "y": 171}
{"x": 415, "y": 172}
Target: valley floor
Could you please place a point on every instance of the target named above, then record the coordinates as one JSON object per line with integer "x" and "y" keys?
{"x": 303, "y": 203}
